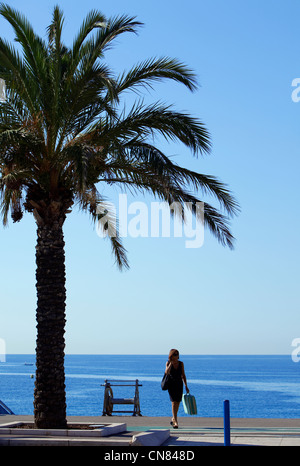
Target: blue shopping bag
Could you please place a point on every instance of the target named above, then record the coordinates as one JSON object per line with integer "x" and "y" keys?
{"x": 189, "y": 404}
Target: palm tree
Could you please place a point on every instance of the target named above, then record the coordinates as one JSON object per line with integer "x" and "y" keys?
{"x": 62, "y": 134}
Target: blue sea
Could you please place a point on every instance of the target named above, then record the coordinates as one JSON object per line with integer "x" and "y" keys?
{"x": 256, "y": 386}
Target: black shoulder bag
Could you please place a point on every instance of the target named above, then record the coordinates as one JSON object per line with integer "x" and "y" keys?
{"x": 165, "y": 382}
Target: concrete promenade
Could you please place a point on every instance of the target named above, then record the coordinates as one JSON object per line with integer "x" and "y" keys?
{"x": 192, "y": 432}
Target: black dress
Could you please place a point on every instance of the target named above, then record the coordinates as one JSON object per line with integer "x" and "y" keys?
{"x": 175, "y": 385}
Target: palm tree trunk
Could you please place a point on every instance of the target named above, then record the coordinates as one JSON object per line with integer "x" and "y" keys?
{"x": 49, "y": 393}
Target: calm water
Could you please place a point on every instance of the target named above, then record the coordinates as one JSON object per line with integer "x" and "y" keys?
{"x": 257, "y": 386}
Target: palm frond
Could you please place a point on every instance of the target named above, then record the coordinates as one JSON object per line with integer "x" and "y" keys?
{"x": 111, "y": 30}
{"x": 119, "y": 252}
{"x": 143, "y": 121}
{"x": 151, "y": 70}
{"x": 17, "y": 78}
{"x": 10, "y": 201}
{"x": 86, "y": 50}
{"x": 34, "y": 48}
{"x": 162, "y": 165}
{"x": 54, "y": 62}
{"x": 218, "y": 225}
{"x": 13, "y": 111}
{"x": 55, "y": 30}
{"x": 168, "y": 187}
{"x": 107, "y": 222}
{"x": 93, "y": 18}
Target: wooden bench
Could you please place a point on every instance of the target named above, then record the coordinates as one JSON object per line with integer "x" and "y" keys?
{"x": 110, "y": 400}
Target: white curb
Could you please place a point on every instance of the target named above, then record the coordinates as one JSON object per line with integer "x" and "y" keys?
{"x": 151, "y": 438}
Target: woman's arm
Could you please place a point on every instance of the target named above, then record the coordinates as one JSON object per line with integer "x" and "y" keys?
{"x": 168, "y": 367}
{"x": 184, "y": 378}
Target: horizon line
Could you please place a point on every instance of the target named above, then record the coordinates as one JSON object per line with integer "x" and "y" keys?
{"x": 158, "y": 354}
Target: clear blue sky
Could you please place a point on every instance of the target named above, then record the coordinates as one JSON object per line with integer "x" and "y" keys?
{"x": 209, "y": 300}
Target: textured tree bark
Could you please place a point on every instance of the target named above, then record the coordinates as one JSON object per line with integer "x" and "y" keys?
{"x": 49, "y": 393}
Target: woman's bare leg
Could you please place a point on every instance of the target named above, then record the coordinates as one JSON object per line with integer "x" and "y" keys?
{"x": 175, "y": 407}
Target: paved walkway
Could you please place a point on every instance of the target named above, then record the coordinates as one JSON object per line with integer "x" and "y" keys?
{"x": 196, "y": 431}
{"x": 193, "y": 431}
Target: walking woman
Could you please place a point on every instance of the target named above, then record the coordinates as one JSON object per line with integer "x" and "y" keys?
{"x": 175, "y": 369}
